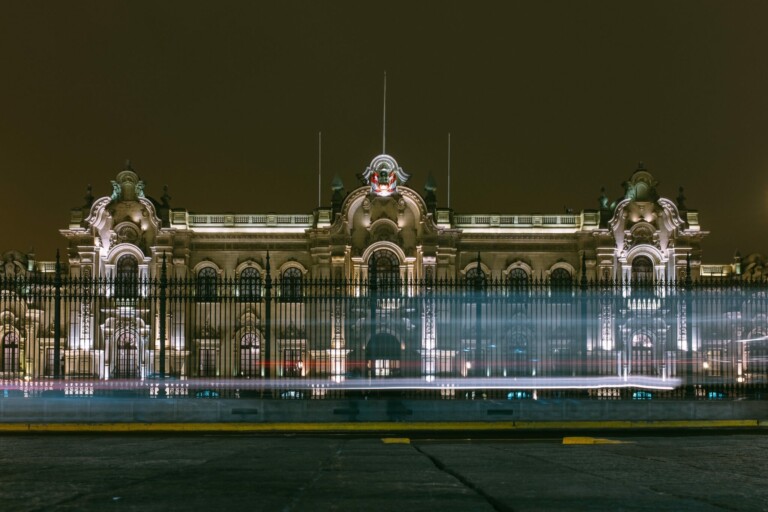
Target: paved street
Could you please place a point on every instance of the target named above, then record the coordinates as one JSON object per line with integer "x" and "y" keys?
{"x": 229, "y": 472}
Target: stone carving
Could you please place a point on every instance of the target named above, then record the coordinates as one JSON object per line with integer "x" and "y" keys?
{"x": 165, "y": 200}
{"x": 140, "y": 189}
{"x": 383, "y": 175}
{"x": 117, "y": 191}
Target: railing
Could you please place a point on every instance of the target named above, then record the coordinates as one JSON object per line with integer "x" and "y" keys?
{"x": 240, "y": 220}
{"x": 486, "y": 220}
{"x": 317, "y": 338}
{"x": 716, "y": 270}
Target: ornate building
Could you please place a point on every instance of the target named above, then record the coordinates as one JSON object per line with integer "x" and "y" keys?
{"x": 364, "y": 287}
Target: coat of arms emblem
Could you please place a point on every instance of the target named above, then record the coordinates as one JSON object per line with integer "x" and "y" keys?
{"x": 384, "y": 175}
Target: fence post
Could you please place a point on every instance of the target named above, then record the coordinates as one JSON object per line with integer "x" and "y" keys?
{"x": 688, "y": 328}
{"x": 478, "y": 286}
{"x": 57, "y": 319}
{"x": 163, "y": 298}
{"x": 584, "y": 331}
{"x": 372, "y": 294}
{"x": 268, "y": 319}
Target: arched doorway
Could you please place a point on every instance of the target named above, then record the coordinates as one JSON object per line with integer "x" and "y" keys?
{"x": 383, "y": 356}
{"x": 10, "y": 352}
{"x": 516, "y": 359}
{"x": 641, "y": 354}
{"x": 126, "y": 363}
{"x": 250, "y": 354}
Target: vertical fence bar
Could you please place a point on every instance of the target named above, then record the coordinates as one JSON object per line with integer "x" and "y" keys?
{"x": 268, "y": 319}
{"x": 688, "y": 297}
{"x": 583, "y": 333}
{"x": 163, "y": 299}
{"x": 57, "y": 320}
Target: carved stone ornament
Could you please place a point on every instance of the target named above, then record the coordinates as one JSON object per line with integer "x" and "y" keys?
{"x": 127, "y": 233}
{"x": 384, "y": 175}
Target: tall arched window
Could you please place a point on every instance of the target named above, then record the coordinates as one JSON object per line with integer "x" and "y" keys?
{"x": 385, "y": 266}
{"x": 10, "y": 352}
{"x": 250, "y": 285}
{"x": 517, "y": 284}
{"x": 290, "y": 285}
{"x": 642, "y": 270}
{"x": 476, "y": 277}
{"x": 127, "y": 277}
{"x": 206, "y": 284}
{"x": 517, "y": 278}
{"x": 560, "y": 277}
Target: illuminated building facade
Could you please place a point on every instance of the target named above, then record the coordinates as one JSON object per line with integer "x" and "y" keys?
{"x": 383, "y": 282}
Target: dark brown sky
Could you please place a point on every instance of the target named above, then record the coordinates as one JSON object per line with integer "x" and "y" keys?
{"x": 546, "y": 102}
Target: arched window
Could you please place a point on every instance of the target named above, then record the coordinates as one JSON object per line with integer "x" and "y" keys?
{"x": 384, "y": 267}
{"x": 290, "y": 285}
{"x": 127, "y": 277}
{"x": 517, "y": 278}
{"x": 476, "y": 277}
{"x": 10, "y": 352}
{"x": 560, "y": 277}
{"x": 250, "y": 285}
{"x": 206, "y": 284}
{"x": 642, "y": 270}
{"x": 517, "y": 284}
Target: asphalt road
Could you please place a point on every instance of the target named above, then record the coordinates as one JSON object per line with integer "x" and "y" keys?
{"x": 239, "y": 472}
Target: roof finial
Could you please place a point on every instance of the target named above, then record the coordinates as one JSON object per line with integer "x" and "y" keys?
{"x": 88, "y": 196}
{"x": 128, "y": 165}
{"x": 166, "y": 198}
{"x": 603, "y": 199}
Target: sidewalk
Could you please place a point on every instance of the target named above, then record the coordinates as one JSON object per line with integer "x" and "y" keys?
{"x": 384, "y": 415}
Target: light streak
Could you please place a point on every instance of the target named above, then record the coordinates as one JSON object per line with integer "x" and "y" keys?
{"x": 364, "y": 384}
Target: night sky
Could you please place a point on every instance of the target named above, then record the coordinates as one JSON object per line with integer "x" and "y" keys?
{"x": 546, "y": 102}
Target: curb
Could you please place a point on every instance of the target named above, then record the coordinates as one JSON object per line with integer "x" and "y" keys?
{"x": 373, "y": 427}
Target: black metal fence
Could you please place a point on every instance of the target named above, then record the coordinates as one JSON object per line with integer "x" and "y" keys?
{"x": 447, "y": 339}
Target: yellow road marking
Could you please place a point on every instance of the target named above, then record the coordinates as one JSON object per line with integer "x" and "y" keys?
{"x": 592, "y": 440}
{"x": 395, "y": 440}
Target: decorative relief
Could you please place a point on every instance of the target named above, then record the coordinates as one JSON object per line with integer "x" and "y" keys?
{"x": 127, "y": 234}
{"x": 383, "y": 175}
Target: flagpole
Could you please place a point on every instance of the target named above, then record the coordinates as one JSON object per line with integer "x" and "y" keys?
{"x": 449, "y": 169}
{"x": 384, "y": 117}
